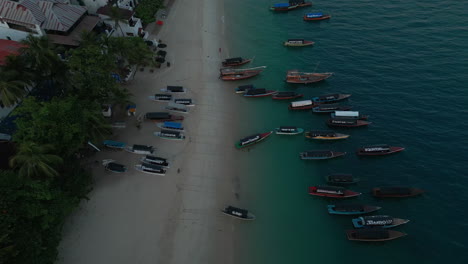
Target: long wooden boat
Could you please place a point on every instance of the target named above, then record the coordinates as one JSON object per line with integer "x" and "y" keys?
{"x": 169, "y": 134}
{"x": 301, "y": 105}
{"x": 316, "y": 16}
{"x": 332, "y": 192}
{"x": 325, "y": 135}
{"x": 238, "y": 213}
{"x": 140, "y": 149}
{"x": 373, "y": 234}
{"x": 232, "y": 71}
{"x": 151, "y": 169}
{"x": 251, "y": 140}
{"x": 240, "y": 75}
{"x": 184, "y": 101}
{"x": 298, "y": 43}
{"x": 396, "y": 192}
{"x": 293, "y": 4}
{"x": 329, "y": 108}
{"x": 161, "y": 97}
{"x": 349, "y": 114}
{"x": 258, "y": 92}
{"x": 173, "y": 89}
{"x": 244, "y": 88}
{"x": 286, "y": 95}
{"x": 112, "y": 166}
{"x": 330, "y": 98}
{"x": 162, "y": 117}
{"x": 378, "y": 150}
{"x": 155, "y": 161}
{"x": 340, "y": 178}
{"x": 351, "y": 209}
{"x": 320, "y": 154}
{"x": 232, "y": 62}
{"x": 175, "y": 126}
{"x": 288, "y": 130}
{"x": 294, "y": 76}
{"x": 383, "y": 221}
{"x": 346, "y": 122}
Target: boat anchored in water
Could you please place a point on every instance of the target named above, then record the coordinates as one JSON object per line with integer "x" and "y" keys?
{"x": 320, "y": 154}
{"x": 301, "y": 105}
{"x": 288, "y": 130}
{"x": 169, "y": 134}
{"x": 173, "y": 89}
{"x": 325, "y": 135}
{"x": 349, "y": 114}
{"x": 332, "y": 192}
{"x": 155, "y": 161}
{"x": 294, "y": 76}
{"x": 373, "y": 234}
{"x": 253, "y": 139}
{"x": 351, "y": 209}
{"x": 378, "y": 150}
{"x": 317, "y": 16}
{"x": 346, "y": 122}
{"x": 162, "y": 117}
{"x": 230, "y": 74}
{"x": 298, "y": 43}
{"x": 161, "y": 97}
{"x": 140, "y": 149}
{"x": 330, "y": 98}
{"x": 175, "y": 126}
{"x": 244, "y": 88}
{"x": 396, "y": 192}
{"x": 328, "y": 108}
{"x": 258, "y": 92}
{"x": 292, "y": 4}
{"x": 383, "y": 221}
{"x": 340, "y": 178}
{"x": 286, "y": 95}
{"x": 238, "y": 213}
{"x": 232, "y": 62}
{"x": 151, "y": 169}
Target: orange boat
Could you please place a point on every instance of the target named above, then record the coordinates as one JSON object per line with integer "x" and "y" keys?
{"x": 230, "y": 74}
{"x": 294, "y": 76}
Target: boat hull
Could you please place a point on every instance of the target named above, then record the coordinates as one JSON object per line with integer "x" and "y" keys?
{"x": 158, "y": 134}
{"x": 337, "y": 136}
{"x": 341, "y": 97}
{"x": 286, "y": 9}
{"x": 359, "y": 123}
{"x": 305, "y": 43}
{"x": 262, "y": 137}
{"x": 316, "y": 18}
{"x": 392, "y": 150}
{"x": 412, "y": 192}
{"x": 309, "y": 78}
{"x": 334, "y": 155}
{"x": 392, "y": 235}
{"x": 286, "y": 97}
{"x": 346, "y": 194}
{"x": 236, "y": 64}
{"x": 250, "y": 216}
{"x": 268, "y": 93}
{"x": 340, "y": 108}
{"x": 236, "y": 77}
{"x": 306, "y": 107}
{"x": 357, "y": 223}
{"x": 366, "y": 209}
{"x": 299, "y": 131}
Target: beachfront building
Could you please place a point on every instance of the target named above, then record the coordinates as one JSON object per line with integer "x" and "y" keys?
{"x": 94, "y": 5}
{"x": 127, "y": 25}
{"x": 61, "y": 21}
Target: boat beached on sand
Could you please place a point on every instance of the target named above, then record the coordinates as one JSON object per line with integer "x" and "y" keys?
{"x": 253, "y": 139}
{"x": 301, "y": 105}
{"x": 238, "y": 213}
{"x": 230, "y": 74}
{"x": 258, "y": 92}
{"x": 383, "y": 221}
{"x": 378, "y": 150}
{"x": 346, "y": 122}
{"x": 325, "y": 135}
{"x": 232, "y": 62}
{"x": 112, "y": 166}
{"x": 330, "y": 98}
{"x": 328, "y": 108}
{"x": 151, "y": 169}
{"x": 339, "y": 178}
{"x": 286, "y": 95}
{"x": 169, "y": 134}
{"x": 292, "y": 4}
{"x": 396, "y": 192}
{"x": 162, "y": 117}
{"x": 140, "y": 149}
{"x": 373, "y": 234}
{"x": 298, "y": 43}
{"x": 117, "y": 145}
{"x": 175, "y": 126}
{"x": 178, "y": 108}
{"x": 317, "y": 16}
{"x": 173, "y": 89}
{"x": 155, "y": 161}
{"x": 161, "y": 97}
{"x": 351, "y": 209}
{"x": 288, "y": 130}
{"x": 184, "y": 101}
{"x": 320, "y": 154}
{"x": 294, "y": 76}
{"x": 332, "y": 192}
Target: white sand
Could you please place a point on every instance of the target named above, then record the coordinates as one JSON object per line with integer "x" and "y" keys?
{"x": 141, "y": 218}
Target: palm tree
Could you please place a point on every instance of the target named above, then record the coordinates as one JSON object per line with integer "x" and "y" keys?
{"x": 116, "y": 16}
{"x": 34, "y": 160}
{"x": 12, "y": 88}
{"x": 97, "y": 127}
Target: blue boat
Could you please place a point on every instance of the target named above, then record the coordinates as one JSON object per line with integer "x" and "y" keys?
{"x": 351, "y": 209}
{"x": 176, "y": 126}
{"x": 330, "y": 98}
{"x": 382, "y": 221}
{"x": 114, "y": 144}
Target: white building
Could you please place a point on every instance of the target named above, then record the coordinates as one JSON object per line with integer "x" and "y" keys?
{"x": 94, "y": 5}
{"x": 129, "y": 26}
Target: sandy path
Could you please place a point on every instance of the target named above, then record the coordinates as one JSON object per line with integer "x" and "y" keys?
{"x": 141, "y": 218}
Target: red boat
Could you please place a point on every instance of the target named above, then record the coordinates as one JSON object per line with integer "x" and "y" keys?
{"x": 232, "y": 62}
{"x": 346, "y": 122}
{"x": 301, "y": 105}
{"x": 294, "y": 76}
{"x": 396, "y": 192}
{"x": 293, "y": 4}
{"x": 230, "y": 74}
{"x": 332, "y": 192}
{"x": 286, "y": 95}
{"x": 315, "y": 16}
{"x": 378, "y": 150}
{"x": 258, "y": 92}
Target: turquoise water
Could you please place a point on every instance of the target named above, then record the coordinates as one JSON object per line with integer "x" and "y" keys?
{"x": 406, "y": 65}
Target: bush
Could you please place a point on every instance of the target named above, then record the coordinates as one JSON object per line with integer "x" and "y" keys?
{"x": 147, "y": 9}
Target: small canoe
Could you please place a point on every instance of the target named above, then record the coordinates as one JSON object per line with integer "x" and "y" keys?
{"x": 378, "y": 150}
{"x": 332, "y": 192}
{"x": 320, "y": 154}
{"x": 383, "y": 221}
{"x": 396, "y": 192}
{"x": 325, "y": 135}
{"x": 345, "y": 122}
{"x": 240, "y": 76}
{"x": 330, "y": 98}
{"x": 298, "y": 43}
{"x": 339, "y": 178}
{"x": 238, "y": 213}
{"x": 258, "y": 92}
{"x": 316, "y": 16}
{"x": 373, "y": 234}
{"x": 251, "y": 140}
{"x": 288, "y": 130}
{"x": 351, "y": 209}
{"x": 329, "y": 108}
{"x": 286, "y": 95}
{"x": 232, "y": 62}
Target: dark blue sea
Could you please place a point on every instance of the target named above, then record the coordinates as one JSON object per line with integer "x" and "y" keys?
{"x": 406, "y": 65}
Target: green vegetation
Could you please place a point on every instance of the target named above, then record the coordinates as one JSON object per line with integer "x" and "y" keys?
{"x": 47, "y": 180}
{"x": 146, "y": 10}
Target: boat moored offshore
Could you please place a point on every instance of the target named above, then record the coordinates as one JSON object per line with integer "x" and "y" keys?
{"x": 298, "y": 43}
{"x": 258, "y": 92}
{"x": 330, "y": 98}
{"x": 288, "y": 130}
{"x": 383, "y": 221}
{"x": 378, "y": 150}
{"x": 346, "y": 122}
{"x": 292, "y": 4}
{"x": 320, "y": 154}
{"x": 169, "y": 134}
{"x": 329, "y": 108}
{"x": 396, "y": 192}
{"x": 253, "y": 139}
{"x": 325, "y": 135}
{"x": 317, "y": 16}
{"x": 294, "y": 76}
{"x": 332, "y": 192}
{"x": 286, "y": 95}
{"x": 373, "y": 234}
{"x": 232, "y": 62}
{"x": 238, "y": 213}
{"x": 351, "y": 209}
{"x": 244, "y": 88}
{"x": 349, "y": 114}
{"x": 301, "y": 105}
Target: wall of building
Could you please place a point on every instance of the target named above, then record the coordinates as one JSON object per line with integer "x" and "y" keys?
{"x": 93, "y": 5}
{"x": 17, "y": 35}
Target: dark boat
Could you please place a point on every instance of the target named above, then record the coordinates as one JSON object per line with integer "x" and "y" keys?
{"x": 349, "y": 115}
{"x": 383, "y": 221}
{"x": 330, "y": 98}
{"x": 169, "y": 134}
{"x": 155, "y": 161}
{"x": 332, "y": 192}
{"x": 315, "y": 16}
{"x": 301, "y": 105}
{"x": 231, "y": 62}
{"x": 288, "y": 130}
{"x": 325, "y": 135}
{"x": 320, "y": 154}
{"x": 238, "y": 213}
{"x": 346, "y": 122}
{"x": 294, "y": 76}
{"x": 298, "y": 43}
{"x": 151, "y": 169}
{"x": 113, "y": 166}
{"x": 240, "y": 74}
{"x": 244, "y": 88}
{"x": 161, "y": 97}
{"x": 162, "y": 117}
{"x": 396, "y": 192}
{"x": 173, "y": 89}
{"x": 341, "y": 179}
{"x": 329, "y": 108}
{"x": 250, "y": 140}
{"x": 184, "y": 101}
{"x": 286, "y": 95}
{"x": 258, "y": 92}
{"x": 351, "y": 209}
{"x": 378, "y": 150}
{"x": 140, "y": 149}
{"x": 293, "y": 4}
{"x": 373, "y": 234}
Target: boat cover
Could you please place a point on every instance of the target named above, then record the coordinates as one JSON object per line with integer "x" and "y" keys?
{"x": 175, "y": 125}
{"x": 114, "y": 144}
{"x": 325, "y": 133}
{"x": 371, "y": 233}
{"x": 346, "y": 114}
{"x": 341, "y": 178}
{"x": 175, "y": 89}
{"x": 236, "y": 211}
{"x": 343, "y": 121}
{"x": 281, "y": 5}
{"x": 285, "y": 94}
{"x": 256, "y": 91}
{"x": 154, "y": 159}
{"x": 301, "y": 103}
{"x": 183, "y": 101}
{"x": 152, "y": 168}
{"x": 163, "y": 96}
{"x": 314, "y": 15}
{"x": 376, "y": 220}
{"x": 233, "y": 60}
{"x": 349, "y": 208}
{"x": 288, "y": 129}
{"x": 168, "y": 133}
{"x": 376, "y": 148}
{"x": 318, "y": 153}
{"x": 158, "y": 115}
{"x": 112, "y": 166}
{"x": 330, "y": 189}
{"x": 395, "y": 190}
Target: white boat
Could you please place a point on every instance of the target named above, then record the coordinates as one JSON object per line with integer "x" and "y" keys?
{"x": 173, "y": 89}
{"x": 348, "y": 114}
{"x": 184, "y": 101}
{"x": 178, "y": 108}
{"x": 161, "y": 97}
{"x": 140, "y": 149}
{"x": 288, "y": 130}
{"x": 149, "y": 159}
{"x": 171, "y": 135}
{"x": 151, "y": 169}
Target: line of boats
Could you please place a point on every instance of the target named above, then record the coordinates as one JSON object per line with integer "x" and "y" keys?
{"x": 295, "y": 4}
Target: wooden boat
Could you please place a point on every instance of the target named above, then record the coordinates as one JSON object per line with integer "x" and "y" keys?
{"x": 378, "y": 150}
{"x": 396, "y": 192}
{"x": 238, "y": 213}
{"x": 232, "y": 71}
{"x": 253, "y": 139}
{"x": 232, "y": 62}
{"x": 330, "y": 98}
{"x": 244, "y": 88}
{"x": 184, "y": 101}
{"x": 349, "y": 114}
{"x": 175, "y": 126}
{"x": 320, "y": 154}
{"x": 315, "y": 16}
{"x": 140, "y": 149}
{"x": 288, "y": 130}
{"x": 298, "y": 43}
{"x": 294, "y": 76}
{"x": 151, "y": 169}
{"x": 325, "y": 135}
{"x": 113, "y": 166}
{"x": 332, "y": 192}
{"x": 178, "y": 108}
{"x": 286, "y": 95}
{"x": 383, "y": 221}
{"x": 162, "y": 117}
{"x": 339, "y": 178}
{"x": 241, "y": 75}
{"x": 346, "y": 122}
{"x": 169, "y": 134}
{"x": 161, "y": 97}
{"x": 301, "y": 105}
{"x": 351, "y": 209}
{"x": 328, "y": 108}
{"x": 114, "y": 144}
{"x": 173, "y": 89}
{"x": 258, "y": 92}
{"x": 373, "y": 234}
{"x": 293, "y": 4}
{"x": 155, "y": 161}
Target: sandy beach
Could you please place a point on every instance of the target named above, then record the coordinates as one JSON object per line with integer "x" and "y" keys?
{"x": 141, "y": 218}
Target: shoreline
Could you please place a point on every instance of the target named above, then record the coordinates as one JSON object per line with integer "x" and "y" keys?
{"x": 134, "y": 217}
